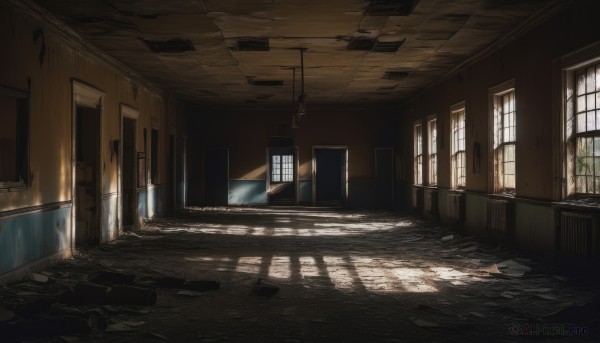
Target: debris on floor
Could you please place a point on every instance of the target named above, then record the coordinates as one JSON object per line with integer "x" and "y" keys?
{"x": 351, "y": 276}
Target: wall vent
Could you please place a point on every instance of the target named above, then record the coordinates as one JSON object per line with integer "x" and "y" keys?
{"x": 391, "y": 7}
{"x": 500, "y": 217}
{"x": 395, "y": 75}
{"x": 456, "y": 206}
{"x": 253, "y": 44}
{"x": 175, "y": 45}
{"x": 578, "y": 234}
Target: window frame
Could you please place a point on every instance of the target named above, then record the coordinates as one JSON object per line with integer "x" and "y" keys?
{"x": 281, "y": 168}
{"x": 571, "y": 65}
{"x": 432, "y": 152}
{"x": 497, "y": 144}
{"x": 22, "y": 144}
{"x": 457, "y": 152}
{"x": 417, "y": 153}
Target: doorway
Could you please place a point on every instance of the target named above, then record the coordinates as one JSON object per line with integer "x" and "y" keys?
{"x": 86, "y": 172}
{"x": 128, "y": 171}
{"x": 330, "y": 177}
{"x": 87, "y": 176}
{"x": 216, "y": 176}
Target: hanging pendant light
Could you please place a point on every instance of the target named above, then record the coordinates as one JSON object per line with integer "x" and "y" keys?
{"x": 300, "y": 107}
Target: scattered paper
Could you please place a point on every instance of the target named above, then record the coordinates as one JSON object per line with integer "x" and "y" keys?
{"x": 493, "y": 269}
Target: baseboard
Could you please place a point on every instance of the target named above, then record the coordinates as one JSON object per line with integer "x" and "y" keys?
{"x": 23, "y": 272}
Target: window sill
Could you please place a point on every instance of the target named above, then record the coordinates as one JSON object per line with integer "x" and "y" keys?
{"x": 583, "y": 201}
{"x": 504, "y": 195}
{"x": 6, "y": 187}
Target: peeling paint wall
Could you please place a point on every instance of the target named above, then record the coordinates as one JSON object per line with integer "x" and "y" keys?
{"x": 49, "y": 64}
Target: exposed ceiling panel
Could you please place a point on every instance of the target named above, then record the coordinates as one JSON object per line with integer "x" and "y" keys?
{"x": 241, "y": 52}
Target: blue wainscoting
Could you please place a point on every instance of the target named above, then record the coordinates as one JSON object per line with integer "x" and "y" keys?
{"x": 29, "y": 236}
{"x": 305, "y": 192}
{"x": 142, "y": 205}
{"x": 153, "y": 198}
{"x": 247, "y": 192}
{"x": 110, "y": 230}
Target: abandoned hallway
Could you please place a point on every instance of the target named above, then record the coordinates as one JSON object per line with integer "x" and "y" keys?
{"x": 343, "y": 276}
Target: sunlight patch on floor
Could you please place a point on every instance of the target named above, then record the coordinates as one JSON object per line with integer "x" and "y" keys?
{"x": 280, "y": 267}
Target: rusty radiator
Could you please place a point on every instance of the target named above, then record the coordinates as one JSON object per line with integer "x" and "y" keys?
{"x": 578, "y": 234}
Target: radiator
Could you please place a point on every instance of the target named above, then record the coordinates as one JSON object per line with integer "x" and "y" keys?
{"x": 578, "y": 234}
{"x": 500, "y": 217}
{"x": 456, "y": 206}
{"x": 431, "y": 201}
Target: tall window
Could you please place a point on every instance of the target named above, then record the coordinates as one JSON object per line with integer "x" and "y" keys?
{"x": 458, "y": 155}
{"x": 432, "y": 147}
{"x": 418, "y": 153}
{"x": 282, "y": 168}
{"x": 14, "y": 138}
{"x": 586, "y": 135}
{"x": 504, "y": 141}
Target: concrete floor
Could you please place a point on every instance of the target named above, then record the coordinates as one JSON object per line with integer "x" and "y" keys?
{"x": 344, "y": 276}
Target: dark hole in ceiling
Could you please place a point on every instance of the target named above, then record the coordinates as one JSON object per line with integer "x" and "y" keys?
{"x": 267, "y": 83}
{"x": 386, "y": 46}
{"x": 391, "y": 7}
{"x": 361, "y": 44}
{"x": 374, "y": 45}
{"x": 395, "y": 75}
{"x": 253, "y": 44}
{"x": 174, "y": 45}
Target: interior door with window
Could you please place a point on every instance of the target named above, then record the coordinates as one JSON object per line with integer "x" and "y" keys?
{"x": 282, "y": 178}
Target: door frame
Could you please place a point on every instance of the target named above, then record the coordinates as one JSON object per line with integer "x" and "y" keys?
{"x": 314, "y": 172}
{"x": 87, "y": 96}
{"x": 126, "y": 111}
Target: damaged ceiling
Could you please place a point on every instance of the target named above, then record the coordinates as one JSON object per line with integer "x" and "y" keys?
{"x": 246, "y": 52}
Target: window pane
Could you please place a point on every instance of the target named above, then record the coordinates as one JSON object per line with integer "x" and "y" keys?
{"x": 597, "y": 79}
{"x": 591, "y": 120}
{"x": 287, "y": 168}
{"x": 591, "y": 80}
{"x": 591, "y": 101}
{"x": 580, "y": 104}
{"x": 581, "y": 122}
{"x": 580, "y": 83}
{"x": 276, "y": 168}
